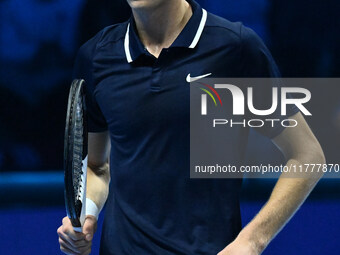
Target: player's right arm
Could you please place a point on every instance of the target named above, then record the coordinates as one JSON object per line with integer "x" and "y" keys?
{"x": 98, "y": 179}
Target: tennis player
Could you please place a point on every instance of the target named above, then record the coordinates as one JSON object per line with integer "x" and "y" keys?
{"x": 137, "y": 76}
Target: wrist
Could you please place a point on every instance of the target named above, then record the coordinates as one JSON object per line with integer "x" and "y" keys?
{"x": 256, "y": 241}
{"x": 91, "y": 208}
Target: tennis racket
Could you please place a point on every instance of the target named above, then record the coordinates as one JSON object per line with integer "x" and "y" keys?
{"x": 75, "y": 155}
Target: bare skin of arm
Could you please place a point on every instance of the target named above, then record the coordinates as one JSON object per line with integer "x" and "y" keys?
{"x": 98, "y": 179}
{"x": 300, "y": 147}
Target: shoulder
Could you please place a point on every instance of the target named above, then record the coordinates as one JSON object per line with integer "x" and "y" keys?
{"x": 223, "y": 25}
{"x": 85, "y": 55}
{"x": 253, "y": 55}
{"x": 222, "y": 29}
{"x": 109, "y": 34}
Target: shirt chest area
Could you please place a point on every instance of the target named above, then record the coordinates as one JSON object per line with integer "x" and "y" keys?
{"x": 151, "y": 93}
{"x": 143, "y": 98}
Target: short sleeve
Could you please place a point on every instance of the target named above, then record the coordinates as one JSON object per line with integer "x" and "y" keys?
{"x": 83, "y": 70}
{"x": 258, "y": 62}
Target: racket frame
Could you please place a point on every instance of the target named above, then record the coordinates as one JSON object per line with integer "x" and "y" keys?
{"x": 73, "y": 205}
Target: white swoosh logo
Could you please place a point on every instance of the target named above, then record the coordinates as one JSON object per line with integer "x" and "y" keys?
{"x": 192, "y": 79}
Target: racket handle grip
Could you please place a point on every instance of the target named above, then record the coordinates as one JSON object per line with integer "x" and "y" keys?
{"x": 78, "y": 229}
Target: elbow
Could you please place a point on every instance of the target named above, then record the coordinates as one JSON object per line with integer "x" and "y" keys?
{"x": 313, "y": 160}
{"x": 314, "y": 154}
{"x": 102, "y": 170}
{"x": 319, "y": 156}
{"x": 322, "y": 157}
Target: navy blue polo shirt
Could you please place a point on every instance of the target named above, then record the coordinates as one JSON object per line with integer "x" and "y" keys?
{"x": 153, "y": 206}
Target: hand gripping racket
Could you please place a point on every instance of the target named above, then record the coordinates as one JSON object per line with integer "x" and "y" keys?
{"x": 75, "y": 155}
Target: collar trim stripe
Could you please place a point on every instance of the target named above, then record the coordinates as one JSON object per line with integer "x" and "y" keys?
{"x": 127, "y": 45}
{"x": 200, "y": 29}
{"x": 192, "y": 45}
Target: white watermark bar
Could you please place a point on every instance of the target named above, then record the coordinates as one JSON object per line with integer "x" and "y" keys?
{"x": 233, "y": 123}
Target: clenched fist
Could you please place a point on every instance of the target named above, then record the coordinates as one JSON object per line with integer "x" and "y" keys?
{"x": 74, "y": 243}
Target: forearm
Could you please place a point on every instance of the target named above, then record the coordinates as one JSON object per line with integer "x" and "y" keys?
{"x": 98, "y": 179}
{"x": 289, "y": 193}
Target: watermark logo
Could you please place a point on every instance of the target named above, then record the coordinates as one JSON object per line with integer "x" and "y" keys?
{"x": 239, "y": 99}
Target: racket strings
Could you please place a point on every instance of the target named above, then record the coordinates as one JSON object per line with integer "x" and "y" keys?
{"x": 78, "y": 152}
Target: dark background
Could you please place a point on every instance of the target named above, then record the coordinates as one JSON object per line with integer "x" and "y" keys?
{"x": 38, "y": 43}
